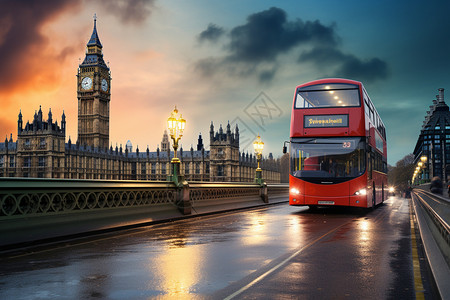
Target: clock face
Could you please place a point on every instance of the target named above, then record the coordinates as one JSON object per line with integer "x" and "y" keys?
{"x": 86, "y": 83}
{"x": 104, "y": 85}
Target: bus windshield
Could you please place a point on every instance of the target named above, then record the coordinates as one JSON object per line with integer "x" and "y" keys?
{"x": 327, "y": 95}
{"x": 327, "y": 159}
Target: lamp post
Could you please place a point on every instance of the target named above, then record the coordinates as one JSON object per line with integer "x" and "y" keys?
{"x": 176, "y": 127}
{"x": 258, "y": 145}
{"x": 423, "y": 160}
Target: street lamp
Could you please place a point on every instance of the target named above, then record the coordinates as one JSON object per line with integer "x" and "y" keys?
{"x": 423, "y": 160}
{"x": 258, "y": 145}
{"x": 176, "y": 127}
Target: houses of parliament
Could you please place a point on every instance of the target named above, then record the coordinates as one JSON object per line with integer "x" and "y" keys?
{"x": 41, "y": 150}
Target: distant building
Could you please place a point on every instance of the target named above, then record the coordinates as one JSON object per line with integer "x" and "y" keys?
{"x": 40, "y": 150}
{"x": 434, "y": 140}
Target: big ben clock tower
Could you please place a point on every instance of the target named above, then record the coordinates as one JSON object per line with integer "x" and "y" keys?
{"x": 94, "y": 94}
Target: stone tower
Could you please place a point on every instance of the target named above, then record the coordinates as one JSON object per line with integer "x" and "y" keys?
{"x": 224, "y": 154}
{"x": 41, "y": 146}
{"x": 165, "y": 143}
{"x": 94, "y": 94}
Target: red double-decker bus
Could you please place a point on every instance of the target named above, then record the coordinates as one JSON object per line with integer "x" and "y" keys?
{"x": 337, "y": 146}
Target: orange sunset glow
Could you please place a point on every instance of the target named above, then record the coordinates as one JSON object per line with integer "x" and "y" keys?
{"x": 148, "y": 78}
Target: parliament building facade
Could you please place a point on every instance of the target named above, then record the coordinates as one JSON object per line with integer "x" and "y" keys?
{"x": 41, "y": 150}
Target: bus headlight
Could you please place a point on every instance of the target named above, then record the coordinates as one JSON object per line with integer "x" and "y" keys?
{"x": 295, "y": 191}
{"x": 391, "y": 189}
{"x": 361, "y": 192}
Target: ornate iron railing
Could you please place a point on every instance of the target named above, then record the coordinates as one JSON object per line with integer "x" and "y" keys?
{"x": 24, "y": 197}
{"x": 209, "y": 191}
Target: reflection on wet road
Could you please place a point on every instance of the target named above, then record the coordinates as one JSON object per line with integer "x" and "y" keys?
{"x": 274, "y": 252}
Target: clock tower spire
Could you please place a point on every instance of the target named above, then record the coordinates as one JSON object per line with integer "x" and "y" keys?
{"x": 94, "y": 94}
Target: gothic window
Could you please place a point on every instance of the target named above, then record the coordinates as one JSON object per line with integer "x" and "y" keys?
{"x": 11, "y": 162}
{"x": 197, "y": 168}
{"x": 186, "y": 168}
{"x": 27, "y": 162}
{"x": 220, "y": 171}
{"x": 1, "y": 161}
{"x": 41, "y": 161}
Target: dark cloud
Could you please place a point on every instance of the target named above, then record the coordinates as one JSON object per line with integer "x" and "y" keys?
{"x": 268, "y": 34}
{"x": 346, "y": 65}
{"x": 212, "y": 33}
{"x": 130, "y": 11}
{"x": 255, "y": 47}
{"x": 20, "y": 38}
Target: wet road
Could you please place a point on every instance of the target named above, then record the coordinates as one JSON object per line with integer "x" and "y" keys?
{"x": 271, "y": 253}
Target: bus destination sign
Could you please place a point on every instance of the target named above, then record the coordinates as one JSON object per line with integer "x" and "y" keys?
{"x": 323, "y": 121}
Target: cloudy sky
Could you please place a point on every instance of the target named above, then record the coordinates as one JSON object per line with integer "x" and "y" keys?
{"x": 223, "y": 61}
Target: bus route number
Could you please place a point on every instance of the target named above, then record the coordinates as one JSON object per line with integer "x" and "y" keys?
{"x": 347, "y": 145}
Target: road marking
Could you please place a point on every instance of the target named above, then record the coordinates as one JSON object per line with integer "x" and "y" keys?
{"x": 281, "y": 264}
{"x": 378, "y": 218}
{"x": 418, "y": 285}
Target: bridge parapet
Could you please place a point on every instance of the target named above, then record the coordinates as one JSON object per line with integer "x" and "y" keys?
{"x": 433, "y": 214}
{"x": 33, "y": 210}
{"x": 24, "y": 197}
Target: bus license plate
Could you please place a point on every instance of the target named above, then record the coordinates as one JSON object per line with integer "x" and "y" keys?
{"x": 326, "y": 202}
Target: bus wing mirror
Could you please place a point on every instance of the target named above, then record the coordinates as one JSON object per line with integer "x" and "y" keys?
{"x": 285, "y": 147}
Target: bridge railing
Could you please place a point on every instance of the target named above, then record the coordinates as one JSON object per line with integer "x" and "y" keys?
{"x": 433, "y": 215}
{"x": 438, "y": 209}
{"x": 23, "y": 197}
